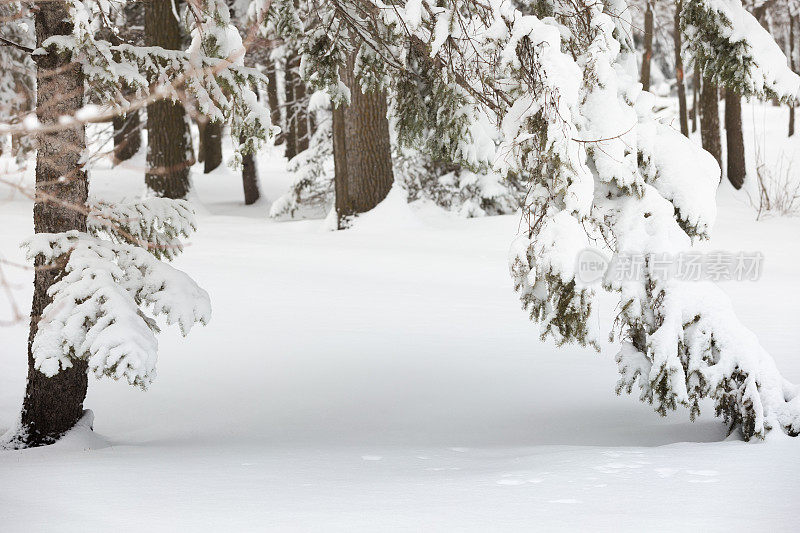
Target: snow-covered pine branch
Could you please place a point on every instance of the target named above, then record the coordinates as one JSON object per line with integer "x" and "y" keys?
{"x": 99, "y": 306}
{"x": 732, "y": 49}
{"x": 155, "y": 224}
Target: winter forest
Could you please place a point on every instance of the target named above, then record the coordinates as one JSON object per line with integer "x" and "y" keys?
{"x": 418, "y": 265}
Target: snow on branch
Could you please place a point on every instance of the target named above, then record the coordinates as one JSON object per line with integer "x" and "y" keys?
{"x": 733, "y": 49}
{"x": 156, "y": 224}
{"x": 100, "y": 304}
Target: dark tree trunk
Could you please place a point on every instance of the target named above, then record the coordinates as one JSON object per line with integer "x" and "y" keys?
{"x": 291, "y": 80}
{"x": 301, "y": 115}
{"x": 695, "y": 84}
{"x": 734, "y": 138}
{"x": 273, "y": 100}
{"x": 362, "y": 151}
{"x": 127, "y": 136}
{"x": 128, "y": 128}
{"x": 792, "y": 65}
{"x": 684, "y": 120}
{"x": 648, "y": 47}
{"x": 250, "y": 179}
{"x": 340, "y": 163}
{"x": 201, "y": 149}
{"x": 212, "y": 146}
{"x": 709, "y": 120}
{"x": 168, "y": 141}
{"x": 53, "y": 405}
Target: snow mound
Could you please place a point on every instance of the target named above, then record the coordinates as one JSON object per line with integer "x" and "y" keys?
{"x": 80, "y": 438}
{"x": 393, "y": 213}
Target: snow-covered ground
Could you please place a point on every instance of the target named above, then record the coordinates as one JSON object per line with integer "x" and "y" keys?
{"x": 385, "y": 378}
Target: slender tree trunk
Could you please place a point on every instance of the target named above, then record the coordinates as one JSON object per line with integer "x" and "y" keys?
{"x": 127, "y": 136}
{"x": 168, "y": 139}
{"x": 128, "y": 128}
{"x": 735, "y": 138}
{"x": 212, "y": 146}
{"x": 340, "y": 164}
{"x": 250, "y": 179}
{"x": 684, "y": 120}
{"x": 362, "y": 151}
{"x": 648, "y": 47}
{"x": 273, "y": 100}
{"x": 301, "y": 114}
{"x": 291, "y": 80}
{"x": 792, "y": 64}
{"x": 709, "y": 120}
{"x": 53, "y": 405}
{"x": 201, "y": 149}
{"x": 250, "y": 176}
{"x": 695, "y": 83}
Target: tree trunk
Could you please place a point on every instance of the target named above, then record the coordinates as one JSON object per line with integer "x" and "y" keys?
{"x": 53, "y": 405}
{"x": 695, "y": 83}
{"x": 709, "y": 120}
{"x": 648, "y": 47}
{"x": 301, "y": 115}
{"x": 684, "y": 120}
{"x": 250, "y": 179}
{"x": 362, "y": 151}
{"x": 734, "y": 138}
{"x": 290, "y": 82}
{"x": 792, "y": 65}
{"x": 274, "y": 101}
{"x": 212, "y": 146}
{"x": 168, "y": 140}
{"x": 201, "y": 149}
{"x": 127, "y": 136}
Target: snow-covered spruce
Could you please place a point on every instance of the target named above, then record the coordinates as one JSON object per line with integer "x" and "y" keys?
{"x": 561, "y": 83}
{"x": 99, "y": 306}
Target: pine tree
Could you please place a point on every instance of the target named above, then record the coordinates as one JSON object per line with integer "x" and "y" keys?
{"x": 101, "y": 279}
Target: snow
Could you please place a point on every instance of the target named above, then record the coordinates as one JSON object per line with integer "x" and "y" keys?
{"x": 386, "y": 378}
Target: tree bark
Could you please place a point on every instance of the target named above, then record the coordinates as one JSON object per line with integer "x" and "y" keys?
{"x": 250, "y": 179}
{"x": 289, "y": 82}
{"x": 695, "y": 83}
{"x": 127, "y": 136}
{"x": 682, "y": 116}
{"x": 54, "y": 405}
{"x": 301, "y": 114}
{"x": 274, "y": 101}
{"x": 709, "y": 120}
{"x": 127, "y": 128}
{"x": 648, "y": 47}
{"x": 362, "y": 150}
{"x": 212, "y": 146}
{"x": 168, "y": 140}
{"x": 792, "y": 64}
{"x": 734, "y": 138}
